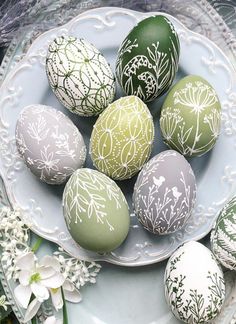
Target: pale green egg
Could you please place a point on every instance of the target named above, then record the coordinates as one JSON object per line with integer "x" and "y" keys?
{"x": 122, "y": 138}
{"x": 95, "y": 210}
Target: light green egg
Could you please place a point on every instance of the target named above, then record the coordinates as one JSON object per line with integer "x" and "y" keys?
{"x": 191, "y": 116}
{"x": 95, "y": 210}
{"x": 122, "y": 138}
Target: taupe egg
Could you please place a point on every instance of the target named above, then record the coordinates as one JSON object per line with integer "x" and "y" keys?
{"x": 49, "y": 143}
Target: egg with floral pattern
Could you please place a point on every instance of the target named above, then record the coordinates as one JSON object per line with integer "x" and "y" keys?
{"x": 148, "y": 58}
{"x": 194, "y": 284}
{"x": 122, "y": 138}
{"x": 191, "y": 116}
{"x": 95, "y": 210}
{"x": 223, "y": 235}
{"x": 79, "y": 76}
{"x": 165, "y": 193}
{"x": 49, "y": 143}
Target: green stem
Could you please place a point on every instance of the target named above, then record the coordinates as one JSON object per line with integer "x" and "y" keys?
{"x": 37, "y": 244}
{"x": 65, "y": 317}
{"x": 33, "y": 321}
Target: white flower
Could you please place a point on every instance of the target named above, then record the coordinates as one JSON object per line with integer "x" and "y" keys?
{"x": 52, "y": 320}
{"x": 36, "y": 278}
{"x": 71, "y": 294}
{"x": 3, "y": 302}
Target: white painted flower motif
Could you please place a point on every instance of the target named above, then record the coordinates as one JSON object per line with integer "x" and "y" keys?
{"x": 3, "y": 302}
{"x": 36, "y": 278}
{"x": 47, "y": 163}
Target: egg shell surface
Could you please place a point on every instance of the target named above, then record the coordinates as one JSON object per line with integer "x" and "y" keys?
{"x": 122, "y": 138}
{"x": 79, "y": 76}
{"x": 95, "y": 210}
{"x": 194, "y": 284}
{"x": 148, "y": 58}
{"x": 191, "y": 116}
{"x": 49, "y": 143}
{"x": 223, "y": 236}
{"x": 165, "y": 193}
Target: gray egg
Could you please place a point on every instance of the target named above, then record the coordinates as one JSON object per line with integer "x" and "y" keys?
{"x": 165, "y": 193}
{"x": 49, "y": 143}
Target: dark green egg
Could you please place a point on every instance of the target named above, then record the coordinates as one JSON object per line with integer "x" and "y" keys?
{"x": 148, "y": 58}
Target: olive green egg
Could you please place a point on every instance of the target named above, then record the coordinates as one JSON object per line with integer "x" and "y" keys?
{"x": 148, "y": 58}
{"x": 122, "y": 138}
{"x": 95, "y": 210}
{"x": 191, "y": 116}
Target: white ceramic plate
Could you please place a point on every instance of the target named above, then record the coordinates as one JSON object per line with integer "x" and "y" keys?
{"x": 215, "y": 171}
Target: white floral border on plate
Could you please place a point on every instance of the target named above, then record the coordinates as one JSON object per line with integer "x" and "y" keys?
{"x": 10, "y": 163}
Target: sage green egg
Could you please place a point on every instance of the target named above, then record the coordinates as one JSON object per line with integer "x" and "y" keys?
{"x": 223, "y": 236}
{"x": 122, "y": 138}
{"x": 191, "y": 116}
{"x": 148, "y": 58}
{"x": 95, "y": 210}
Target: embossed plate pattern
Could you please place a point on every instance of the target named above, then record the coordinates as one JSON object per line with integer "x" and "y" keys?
{"x": 215, "y": 172}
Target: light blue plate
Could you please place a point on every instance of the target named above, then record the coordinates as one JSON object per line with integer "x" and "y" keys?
{"x": 41, "y": 203}
{"x": 121, "y": 295}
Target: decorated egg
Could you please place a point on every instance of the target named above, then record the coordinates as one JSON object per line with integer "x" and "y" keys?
{"x": 165, "y": 193}
{"x": 79, "y": 76}
{"x": 148, "y": 58}
{"x": 122, "y": 137}
{"x": 194, "y": 284}
{"x": 49, "y": 143}
{"x": 95, "y": 210}
{"x": 223, "y": 236}
{"x": 191, "y": 116}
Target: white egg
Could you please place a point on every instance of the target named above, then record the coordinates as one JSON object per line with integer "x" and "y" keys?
{"x": 79, "y": 76}
{"x": 194, "y": 284}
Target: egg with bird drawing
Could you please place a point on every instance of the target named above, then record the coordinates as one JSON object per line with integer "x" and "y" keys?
{"x": 165, "y": 193}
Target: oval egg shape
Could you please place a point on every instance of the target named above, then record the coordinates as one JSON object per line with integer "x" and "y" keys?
{"x": 148, "y": 58}
{"x": 191, "y": 116}
{"x": 49, "y": 143}
{"x": 122, "y": 138}
{"x": 223, "y": 236}
{"x": 79, "y": 76}
{"x": 194, "y": 284}
{"x": 95, "y": 210}
{"x": 165, "y": 193}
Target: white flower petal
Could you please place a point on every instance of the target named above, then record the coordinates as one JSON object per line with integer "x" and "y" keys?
{"x": 57, "y": 298}
{"x": 32, "y": 310}
{"x": 23, "y": 294}
{"x": 24, "y": 277}
{"x": 72, "y": 296}
{"x": 26, "y": 261}
{"x": 45, "y": 272}
{"x": 68, "y": 285}
{"x": 49, "y": 261}
{"x": 41, "y": 293}
{"x": 52, "y": 320}
{"x": 55, "y": 281}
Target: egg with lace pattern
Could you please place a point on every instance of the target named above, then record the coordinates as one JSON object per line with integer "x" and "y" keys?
{"x": 165, "y": 193}
{"x": 95, "y": 210}
{"x": 79, "y": 76}
{"x": 148, "y": 58}
{"x": 191, "y": 116}
{"x": 122, "y": 138}
{"x": 49, "y": 143}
